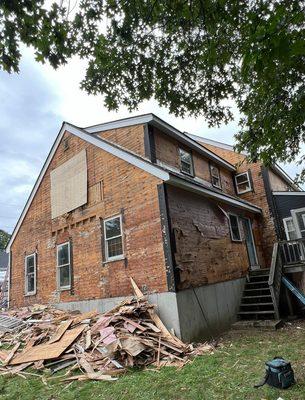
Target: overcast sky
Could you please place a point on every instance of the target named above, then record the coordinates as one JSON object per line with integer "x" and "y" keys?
{"x": 33, "y": 105}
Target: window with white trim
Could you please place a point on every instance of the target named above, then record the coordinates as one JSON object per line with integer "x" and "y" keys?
{"x": 30, "y": 274}
{"x": 64, "y": 266}
{"x": 291, "y": 233}
{"x": 113, "y": 238}
{"x": 186, "y": 162}
{"x": 215, "y": 176}
{"x": 234, "y": 228}
{"x": 243, "y": 182}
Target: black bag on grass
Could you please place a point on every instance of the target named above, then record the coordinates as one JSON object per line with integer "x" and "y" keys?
{"x": 279, "y": 374}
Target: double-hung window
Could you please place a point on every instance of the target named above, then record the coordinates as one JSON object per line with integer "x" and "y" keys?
{"x": 30, "y": 274}
{"x": 243, "y": 182}
{"x": 186, "y": 162}
{"x": 290, "y": 230}
{"x": 64, "y": 266}
{"x": 113, "y": 238}
{"x": 215, "y": 176}
{"x": 234, "y": 228}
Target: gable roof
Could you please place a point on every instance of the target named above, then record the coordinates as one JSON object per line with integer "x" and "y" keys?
{"x": 162, "y": 173}
{"x": 168, "y": 129}
{"x": 111, "y": 148}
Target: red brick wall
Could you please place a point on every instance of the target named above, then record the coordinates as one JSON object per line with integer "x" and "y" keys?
{"x": 131, "y": 138}
{"x": 167, "y": 151}
{"x": 205, "y": 253}
{"x": 126, "y": 188}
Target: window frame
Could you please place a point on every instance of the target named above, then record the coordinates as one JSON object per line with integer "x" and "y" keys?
{"x": 213, "y": 176}
{"x": 285, "y": 220}
{"x": 67, "y": 287}
{"x": 118, "y": 257}
{"x": 238, "y": 226}
{"x": 248, "y": 180}
{"x": 181, "y": 149}
{"x": 26, "y": 274}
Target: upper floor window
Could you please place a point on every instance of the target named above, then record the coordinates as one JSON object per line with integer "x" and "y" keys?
{"x": 215, "y": 176}
{"x": 113, "y": 238}
{"x": 234, "y": 228}
{"x": 64, "y": 266}
{"x": 243, "y": 182}
{"x": 291, "y": 233}
{"x": 186, "y": 162}
{"x": 30, "y": 274}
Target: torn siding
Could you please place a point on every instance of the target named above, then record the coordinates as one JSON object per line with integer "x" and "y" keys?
{"x": 204, "y": 252}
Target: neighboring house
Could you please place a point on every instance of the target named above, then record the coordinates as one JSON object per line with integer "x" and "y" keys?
{"x": 138, "y": 198}
{"x": 4, "y": 260}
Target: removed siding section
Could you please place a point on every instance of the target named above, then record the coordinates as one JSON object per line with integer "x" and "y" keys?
{"x": 204, "y": 252}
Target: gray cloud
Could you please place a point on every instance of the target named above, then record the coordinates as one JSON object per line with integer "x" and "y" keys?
{"x": 28, "y": 126}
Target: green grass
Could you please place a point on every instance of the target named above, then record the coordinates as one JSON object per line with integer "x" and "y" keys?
{"x": 229, "y": 373}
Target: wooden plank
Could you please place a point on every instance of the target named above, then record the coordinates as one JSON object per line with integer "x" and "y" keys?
{"x": 60, "y": 331}
{"x": 82, "y": 317}
{"x": 48, "y": 351}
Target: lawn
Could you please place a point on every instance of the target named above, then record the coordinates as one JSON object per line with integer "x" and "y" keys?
{"x": 229, "y": 373}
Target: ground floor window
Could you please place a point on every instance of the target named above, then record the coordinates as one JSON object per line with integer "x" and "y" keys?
{"x": 113, "y": 238}
{"x": 234, "y": 228}
{"x": 64, "y": 266}
{"x": 30, "y": 274}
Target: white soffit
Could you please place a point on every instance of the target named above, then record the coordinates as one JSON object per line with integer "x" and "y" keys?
{"x": 69, "y": 185}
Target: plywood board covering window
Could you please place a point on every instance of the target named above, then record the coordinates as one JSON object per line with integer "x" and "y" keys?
{"x": 69, "y": 185}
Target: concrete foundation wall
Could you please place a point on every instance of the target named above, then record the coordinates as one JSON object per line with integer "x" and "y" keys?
{"x": 206, "y": 311}
{"x": 194, "y": 314}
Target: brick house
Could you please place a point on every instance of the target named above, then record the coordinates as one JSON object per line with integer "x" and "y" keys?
{"x": 138, "y": 198}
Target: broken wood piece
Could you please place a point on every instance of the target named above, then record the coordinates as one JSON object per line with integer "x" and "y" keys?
{"x": 60, "y": 331}
{"x": 132, "y": 346}
{"x": 85, "y": 365}
{"x": 136, "y": 289}
{"x": 84, "y": 316}
{"x": 135, "y": 324}
{"x": 49, "y": 351}
{"x": 11, "y": 353}
{"x": 88, "y": 340}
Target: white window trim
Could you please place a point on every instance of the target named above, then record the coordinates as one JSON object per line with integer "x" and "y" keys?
{"x": 238, "y": 225}
{"x": 214, "y": 176}
{"x": 118, "y": 257}
{"x": 246, "y": 181}
{"x": 285, "y": 221}
{"x": 27, "y": 293}
{"x": 191, "y": 163}
{"x": 295, "y": 221}
{"x": 67, "y": 287}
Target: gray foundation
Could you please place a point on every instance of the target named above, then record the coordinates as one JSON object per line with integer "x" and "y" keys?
{"x": 194, "y": 314}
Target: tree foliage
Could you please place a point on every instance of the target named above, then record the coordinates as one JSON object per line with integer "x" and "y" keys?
{"x": 189, "y": 55}
{"x": 4, "y": 239}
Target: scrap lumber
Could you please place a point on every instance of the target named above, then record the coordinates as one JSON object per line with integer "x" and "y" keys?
{"x": 98, "y": 346}
{"x": 60, "y": 331}
{"x": 48, "y": 351}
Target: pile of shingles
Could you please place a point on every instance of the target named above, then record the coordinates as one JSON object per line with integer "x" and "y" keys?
{"x": 91, "y": 345}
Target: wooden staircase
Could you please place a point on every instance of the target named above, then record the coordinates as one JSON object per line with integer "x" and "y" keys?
{"x": 257, "y": 302}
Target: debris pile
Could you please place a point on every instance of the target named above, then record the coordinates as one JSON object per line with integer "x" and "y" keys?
{"x": 100, "y": 346}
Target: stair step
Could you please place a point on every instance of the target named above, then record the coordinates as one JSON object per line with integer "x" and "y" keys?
{"x": 260, "y": 272}
{"x": 255, "y": 312}
{"x": 257, "y": 289}
{"x": 257, "y": 283}
{"x": 256, "y": 297}
{"x": 255, "y": 304}
{"x": 260, "y": 276}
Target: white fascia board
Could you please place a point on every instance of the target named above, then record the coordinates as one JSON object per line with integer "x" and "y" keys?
{"x": 165, "y": 127}
{"x": 114, "y": 150}
{"x": 175, "y": 181}
{"x": 288, "y": 193}
{"x": 120, "y": 123}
